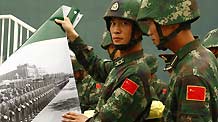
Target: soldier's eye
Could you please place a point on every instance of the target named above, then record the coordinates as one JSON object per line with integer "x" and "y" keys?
{"x": 125, "y": 22}
{"x": 112, "y": 23}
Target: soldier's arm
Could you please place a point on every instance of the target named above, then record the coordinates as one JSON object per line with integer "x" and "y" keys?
{"x": 124, "y": 104}
{"x": 96, "y": 67}
{"x": 192, "y": 94}
{"x": 84, "y": 54}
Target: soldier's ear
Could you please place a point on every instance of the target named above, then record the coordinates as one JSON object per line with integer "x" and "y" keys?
{"x": 137, "y": 34}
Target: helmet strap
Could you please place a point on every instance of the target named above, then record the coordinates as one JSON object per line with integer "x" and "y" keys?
{"x": 165, "y": 39}
{"x": 113, "y": 54}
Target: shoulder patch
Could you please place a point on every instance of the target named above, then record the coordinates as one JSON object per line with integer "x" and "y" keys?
{"x": 195, "y": 93}
{"x": 164, "y": 91}
{"x": 98, "y": 86}
{"x": 129, "y": 86}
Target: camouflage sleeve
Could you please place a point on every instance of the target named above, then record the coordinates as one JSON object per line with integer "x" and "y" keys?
{"x": 95, "y": 66}
{"x": 123, "y": 105}
{"x": 192, "y": 95}
{"x": 88, "y": 93}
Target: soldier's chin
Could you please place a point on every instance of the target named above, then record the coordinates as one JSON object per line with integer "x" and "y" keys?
{"x": 117, "y": 41}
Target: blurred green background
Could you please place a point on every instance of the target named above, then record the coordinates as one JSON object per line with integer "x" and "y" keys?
{"x": 91, "y": 27}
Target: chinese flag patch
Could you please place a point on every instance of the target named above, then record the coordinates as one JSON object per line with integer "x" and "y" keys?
{"x": 196, "y": 93}
{"x": 164, "y": 91}
{"x": 129, "y": 86}
{"x": 97, "y": 85}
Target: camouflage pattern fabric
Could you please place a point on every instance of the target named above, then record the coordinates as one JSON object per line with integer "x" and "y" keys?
{"x": 123, "y": 96}
{"x": 193, "y": 89}
{"x": 88, "y": 89}
{"x": 126, "y": 9}
{"x": 167, "y": 12}
{"x": 76, "y": 66}
{"x": 106, "y": 40}
{"x": 152, "y": 62}
{"x": 89, "y": 93}
{"x": 211, "y": 39}
{"x": 159, "y": 86}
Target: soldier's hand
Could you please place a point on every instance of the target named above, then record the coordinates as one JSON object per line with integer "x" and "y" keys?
{"x": 74, "y": 117}
{"x": 68, "y": 27}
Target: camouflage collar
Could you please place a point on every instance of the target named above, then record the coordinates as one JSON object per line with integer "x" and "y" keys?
{"x": 187, "y": 48}
{"x": 128, "y": 58}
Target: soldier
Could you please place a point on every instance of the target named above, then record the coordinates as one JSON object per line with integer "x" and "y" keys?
{"x": 126, "y": 94}
{"x": 159, "y": 86}
{"x": 4, "y": 111}
{"x": 88, "y": 88}
{"x": 211, "y": 41}
{"x": 192, "y": 95}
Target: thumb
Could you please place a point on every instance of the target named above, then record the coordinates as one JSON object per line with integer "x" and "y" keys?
{"x": 58, "y": 21}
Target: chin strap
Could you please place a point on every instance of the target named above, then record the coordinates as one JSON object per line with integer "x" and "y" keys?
{"x": 132, "y": 43}
{"x": 165, "y": 39}
{"x": 113, "y": 54}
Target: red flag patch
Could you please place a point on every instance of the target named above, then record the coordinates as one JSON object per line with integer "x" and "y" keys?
{"x": 196, "y": 93}
{"x": 164, "y": 91}
{"x": 129, "y": 86}
{"x": 97, "y": 85}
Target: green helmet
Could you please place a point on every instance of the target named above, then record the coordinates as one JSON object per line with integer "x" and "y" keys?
{"x": 168, "y": 12}
{"x": 76, "y": 65}
{"x": 106, "y": 40}
{"x": 152, "y": 62}
{"x": 126, "y": 9}
{"x": 211, "y": 39}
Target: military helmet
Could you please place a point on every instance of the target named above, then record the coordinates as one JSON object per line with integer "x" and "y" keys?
{"x": 168, "y": 12}
{"x": 152, "y": 62}
{"x": 106, "y": 40}
{"x": 126, "y": 9}
{"x": 211, "y": 39}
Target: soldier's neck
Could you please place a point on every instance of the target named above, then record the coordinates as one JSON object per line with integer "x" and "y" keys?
{"x": 184, "y": 37}
{"x": 135, "y": 48}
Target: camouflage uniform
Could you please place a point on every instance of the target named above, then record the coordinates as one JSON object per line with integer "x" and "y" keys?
{"x": 114, "y": 101}
{"x": 211, "y": 41}
{"x": 89, "y": 93}
{"x": 126, "y": 93}
{"x": 193, "y": 89}
{"x": 159, "y": 86}
{"x": 88, "y": 89}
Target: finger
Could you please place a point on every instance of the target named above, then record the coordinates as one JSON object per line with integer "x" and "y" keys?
{"x": 72, "y": 113}
{"x": 67, "y": 120}
{"x": 66, "y": 18}
{"x": 71, "y": 117}
{"x": 59, "y": 21}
